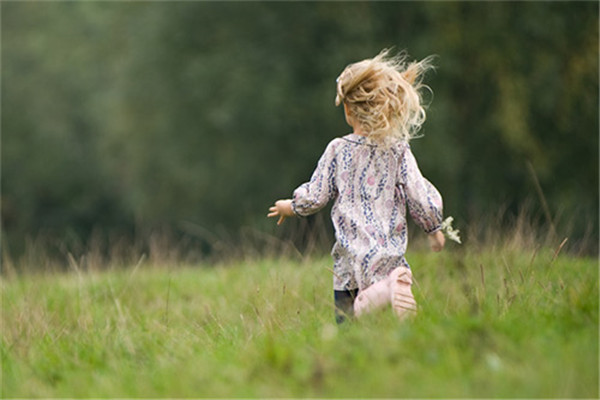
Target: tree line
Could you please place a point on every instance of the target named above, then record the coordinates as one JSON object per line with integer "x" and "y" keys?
{"x": 124, "y": 116}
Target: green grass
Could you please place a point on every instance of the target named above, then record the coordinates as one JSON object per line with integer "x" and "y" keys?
{"x": 492, "y": 323}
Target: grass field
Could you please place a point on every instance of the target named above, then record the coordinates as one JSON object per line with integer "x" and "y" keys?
{"x": 493, "y": 323}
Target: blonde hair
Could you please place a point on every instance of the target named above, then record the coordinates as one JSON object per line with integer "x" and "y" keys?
{"x": 383, "y": 94}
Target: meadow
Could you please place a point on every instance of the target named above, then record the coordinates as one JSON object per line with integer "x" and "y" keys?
{"x": 508, "y": 320}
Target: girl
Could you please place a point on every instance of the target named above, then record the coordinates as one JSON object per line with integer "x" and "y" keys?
{"x": 372, "y": 177}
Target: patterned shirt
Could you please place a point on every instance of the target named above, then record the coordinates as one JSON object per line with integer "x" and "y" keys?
{"x": 371, "y": 186}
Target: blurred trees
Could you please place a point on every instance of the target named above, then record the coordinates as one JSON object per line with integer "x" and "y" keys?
{"x": 117, "y": 116}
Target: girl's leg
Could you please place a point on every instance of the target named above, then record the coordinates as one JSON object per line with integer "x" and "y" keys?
{"x": 403, "y": 301}
{"x": 344, "y": 299}
{"x": 372, "y": 298}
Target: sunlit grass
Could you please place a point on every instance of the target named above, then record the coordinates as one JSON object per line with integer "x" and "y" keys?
{"x": 494, "y": 322}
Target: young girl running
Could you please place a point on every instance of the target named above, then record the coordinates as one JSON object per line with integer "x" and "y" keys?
{"x": 372, "y": 177}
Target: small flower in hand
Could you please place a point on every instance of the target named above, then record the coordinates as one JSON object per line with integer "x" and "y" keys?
{"x": 450, "y": 232}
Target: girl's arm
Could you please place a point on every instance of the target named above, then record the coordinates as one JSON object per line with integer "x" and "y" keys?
{"x": 312, "y": 196}
{"x": 423, "y": 200}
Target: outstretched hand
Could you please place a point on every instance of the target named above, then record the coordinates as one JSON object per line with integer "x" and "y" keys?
{"x": 281, "y": 209}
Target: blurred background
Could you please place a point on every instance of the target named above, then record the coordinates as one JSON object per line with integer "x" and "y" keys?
{"x": 124, "y": 119}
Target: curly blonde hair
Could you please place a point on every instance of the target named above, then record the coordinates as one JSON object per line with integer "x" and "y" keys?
{"x": 384, "y": 95}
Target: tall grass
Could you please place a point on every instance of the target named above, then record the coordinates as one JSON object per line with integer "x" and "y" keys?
{"x": 188, "y": 243}
{"x": 500, "y": 316}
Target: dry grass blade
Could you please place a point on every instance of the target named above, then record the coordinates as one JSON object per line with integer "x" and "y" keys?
{"x": 557, "y": 252}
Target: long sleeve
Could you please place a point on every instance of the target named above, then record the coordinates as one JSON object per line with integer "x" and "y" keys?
{"x": 312, "y": 196}
{"x": 423, "y": 199}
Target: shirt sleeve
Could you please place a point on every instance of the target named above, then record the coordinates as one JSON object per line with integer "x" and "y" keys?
{"x": 312, "y": 196}
{"x": 423, "y": 199}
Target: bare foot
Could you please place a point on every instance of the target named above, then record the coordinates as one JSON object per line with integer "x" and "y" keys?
{"x": 403, "y": 301}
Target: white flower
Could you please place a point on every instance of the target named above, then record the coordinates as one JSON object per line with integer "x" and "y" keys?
{"x": 450, "y": 232}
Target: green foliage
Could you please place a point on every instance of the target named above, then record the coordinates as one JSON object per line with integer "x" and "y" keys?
{"x": 131, "y": 115}
{"x": 499, "y": 322}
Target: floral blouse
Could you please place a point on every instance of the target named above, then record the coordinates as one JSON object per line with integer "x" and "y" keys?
{"x": 371, "y": 186}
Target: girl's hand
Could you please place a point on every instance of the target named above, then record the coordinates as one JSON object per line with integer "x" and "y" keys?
{"x": 281, "y": 209}
{"x": 437, "y": 241}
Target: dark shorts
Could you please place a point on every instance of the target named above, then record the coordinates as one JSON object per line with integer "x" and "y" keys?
{"x": 344, "y": 304}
